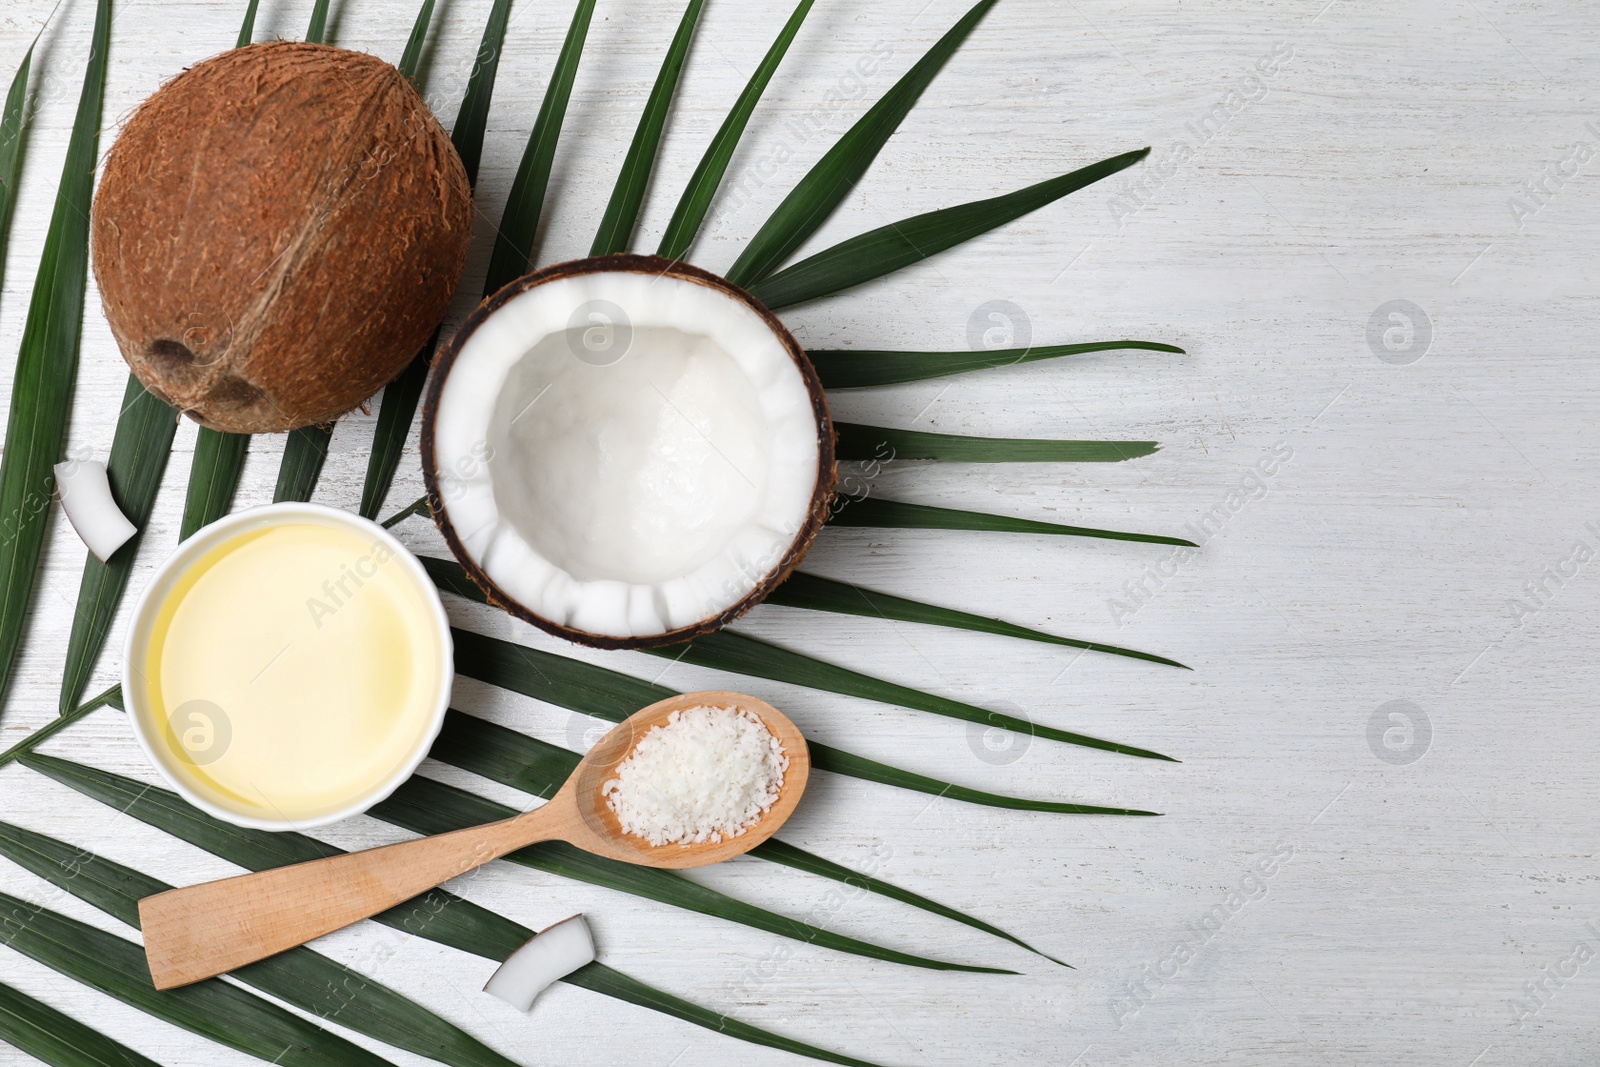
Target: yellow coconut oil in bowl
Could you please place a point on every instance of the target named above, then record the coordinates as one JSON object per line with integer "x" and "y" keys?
{"x": 288, "y": 666}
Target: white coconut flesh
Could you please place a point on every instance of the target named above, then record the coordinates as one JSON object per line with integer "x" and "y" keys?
{"x": 547, "y": 957}
{"x": 625, "y": 454}
{"x": 86, "y": 498}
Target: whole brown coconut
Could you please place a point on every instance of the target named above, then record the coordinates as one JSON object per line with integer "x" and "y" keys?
{"x": 277, "y": 232}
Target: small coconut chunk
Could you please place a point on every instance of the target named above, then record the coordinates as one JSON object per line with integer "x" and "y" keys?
{"x": 87, "y": 500}
{"x": 550, "y": 955}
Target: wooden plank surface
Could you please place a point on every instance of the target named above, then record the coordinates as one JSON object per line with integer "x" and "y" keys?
{"x": 1330, "y": 884}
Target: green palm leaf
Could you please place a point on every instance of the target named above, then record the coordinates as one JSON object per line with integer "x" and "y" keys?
{"x": 425, "y": 806}
{"x": 622, "y": 211}
{"x": 213, "y": 1009}
{"x": 900, "y": 244}
{"x": 304, "y": 452}
{"x": 213, "y": 478}
{"x": 418, "y": 506}
{"x": 254, "y": 850}
{"x": 602, "y": 979}
{"x": 396, "y": 408}
{"x": 534, "y": 673}
{"x": 567, "y": 683}
{"x": 59, "y": 1040}
{"x": 112, "y": 697}
{"x": 11, "y": 145}
{"x": 738, "y": 653}
{"x": 247, "y": 29}
{"x": 782, "y": 852}
{"x": 513, "y": 247}
{"x": 857, "y": 442}
{"x": 815, "y": 593}
{"x": 808, "y": 206}
{"x": 877, "y": 513}
{"x": 438, "y": 915}
{"x": 319, "y": 22}
{"x": 690, "y": 213}
{"x": 419, "y": 34}
{"x": 607, "y": 694}
{"x": 218, "y": 457}
{"x": 827, "y": 758}
{"x": 853, "y": 369}
{"x": 537, "y": 767}
{"x": 300, "y": 977}
{"x": 139, "y": 452}
{"x": 398, "y": 405}
{"x": 47, "y": 362}
{"x": 472, "y": 117}
{"x": 503, "y": 755}
{"x": 801, "y": 590}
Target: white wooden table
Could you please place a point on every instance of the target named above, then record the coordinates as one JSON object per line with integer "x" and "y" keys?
{"x": 1314, "y": 161}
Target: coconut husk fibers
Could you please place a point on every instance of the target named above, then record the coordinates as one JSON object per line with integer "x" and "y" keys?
{"x": 277, "y": 233}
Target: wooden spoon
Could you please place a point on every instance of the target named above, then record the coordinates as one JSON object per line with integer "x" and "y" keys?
{"x": 208, "y": 929}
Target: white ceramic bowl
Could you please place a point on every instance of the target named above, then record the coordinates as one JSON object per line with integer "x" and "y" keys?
{"x": 172, "y": 571}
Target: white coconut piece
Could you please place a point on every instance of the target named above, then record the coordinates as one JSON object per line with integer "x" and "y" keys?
{"x": 90, "y": 507}
{"x": 625, "y": 454}
{"x": 549, "y": 955}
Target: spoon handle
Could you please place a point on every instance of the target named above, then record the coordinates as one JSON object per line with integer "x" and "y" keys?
{"x": 208, "y": 929}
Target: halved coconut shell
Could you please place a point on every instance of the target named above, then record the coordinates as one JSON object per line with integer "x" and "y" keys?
{"x": 626, "y": 451}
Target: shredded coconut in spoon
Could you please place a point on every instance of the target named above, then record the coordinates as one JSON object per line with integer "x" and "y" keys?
{"x": 709, "y": 773}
